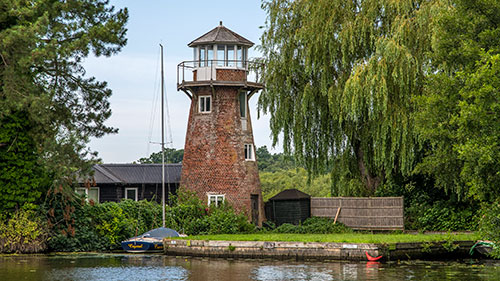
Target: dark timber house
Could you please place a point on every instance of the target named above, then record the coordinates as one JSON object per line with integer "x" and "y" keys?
{"x": 114, "y": 182}
{"x": 289, "y": 206}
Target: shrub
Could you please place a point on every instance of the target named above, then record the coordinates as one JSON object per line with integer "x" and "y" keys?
{"x": 24, "y": 232}
{"x": 440, "y": 216}
{"x": 489, "y": 225}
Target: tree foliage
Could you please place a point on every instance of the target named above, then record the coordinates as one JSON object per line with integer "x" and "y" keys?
{"x": 172, "y": 155}
{"x": 23, "y": 180}
{"x": 42, "y": 47}
{"x": 273, "y": 183}
{"x": 340, "y": 77}
{"x": 459, "y": 118}
{"x": 272, "y": 162}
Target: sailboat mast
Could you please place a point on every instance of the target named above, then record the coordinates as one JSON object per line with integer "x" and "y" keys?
{"x": 162, "y": 142}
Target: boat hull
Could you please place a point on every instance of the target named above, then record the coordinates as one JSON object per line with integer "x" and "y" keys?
{"x": 141, "y": 246}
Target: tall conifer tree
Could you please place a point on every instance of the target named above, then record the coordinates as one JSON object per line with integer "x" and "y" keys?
{"x": 42, "y": 47}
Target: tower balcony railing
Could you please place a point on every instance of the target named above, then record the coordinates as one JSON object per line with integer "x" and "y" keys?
{"x": 220, "y": 72}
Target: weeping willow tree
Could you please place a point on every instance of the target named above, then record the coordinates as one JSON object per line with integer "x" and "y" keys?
{"x": 340, "y": 77}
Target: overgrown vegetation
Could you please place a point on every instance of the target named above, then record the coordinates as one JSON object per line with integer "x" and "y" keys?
{"x": 67, "y": 223}
{"x": 490, "y": 226}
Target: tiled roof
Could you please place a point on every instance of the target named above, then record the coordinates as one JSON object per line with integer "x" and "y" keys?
{"x": 223, "y": 35}
{"x": 290, "y": 194}
{"x": 136, "y": 173}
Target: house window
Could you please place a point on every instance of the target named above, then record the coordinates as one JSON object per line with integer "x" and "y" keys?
{"x": 249, "y": 153}
{"x": 91, "y": 193}
{"x": 205, "y": 103}
{"x": 215, "y": 199}
{"x": 131, "y": 193}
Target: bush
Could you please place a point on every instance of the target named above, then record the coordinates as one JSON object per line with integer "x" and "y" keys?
{"x": 102, "y": 227}
{"x": 314, "y": 225}
{"x": 24, "y": 232}
{"x": 191, "y": 216}
{"x": 489, "y": 225}
{"x": 440, "y": 216}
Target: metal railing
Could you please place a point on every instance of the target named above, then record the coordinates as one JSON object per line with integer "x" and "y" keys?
{"x": 207, "y": 70}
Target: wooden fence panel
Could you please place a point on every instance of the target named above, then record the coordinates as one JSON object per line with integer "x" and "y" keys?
{"x": 374, "y": 213}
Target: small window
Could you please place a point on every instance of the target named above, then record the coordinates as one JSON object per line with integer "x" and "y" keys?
{"x": 243, "y": 104}
{"x": 205, "y": 103}
{"x": 215, "y": 199}
{"x": 221, "y": 55}
{"x": 91, "y": 194}
{"x": 202, "y": 56}
{"x": 210, "y": 55}
{"x": 239, "y": 56}
{"x": 131, "y": 193}
{"x": 249, "y": 153}
{"x": 230, "y": 55}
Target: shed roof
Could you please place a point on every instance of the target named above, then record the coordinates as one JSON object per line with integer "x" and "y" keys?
{"x": 136, "y": 173}
{"x": 290, "y": 194}
{"x": 221, "y": 34}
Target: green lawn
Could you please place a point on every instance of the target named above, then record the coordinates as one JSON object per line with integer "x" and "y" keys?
{"x": 344, "y": 237}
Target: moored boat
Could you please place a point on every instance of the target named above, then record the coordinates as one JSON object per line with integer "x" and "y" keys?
{"x": 149, "y": 241}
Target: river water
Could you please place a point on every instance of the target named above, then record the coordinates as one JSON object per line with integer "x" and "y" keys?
{"x": 159, "y": 267}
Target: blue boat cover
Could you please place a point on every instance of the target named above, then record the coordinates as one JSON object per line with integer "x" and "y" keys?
{"x": 160, "y": 232}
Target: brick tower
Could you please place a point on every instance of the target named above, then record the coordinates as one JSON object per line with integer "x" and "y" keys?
{"x": 219, "y": 154}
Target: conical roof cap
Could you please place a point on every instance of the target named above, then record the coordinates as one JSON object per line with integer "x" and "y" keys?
{"x": 223, "y": 35}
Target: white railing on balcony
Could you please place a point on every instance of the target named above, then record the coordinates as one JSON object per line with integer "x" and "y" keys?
{"x": 207, "y": 70}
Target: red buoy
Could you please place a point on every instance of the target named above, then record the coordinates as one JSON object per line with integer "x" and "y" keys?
{"x": 370, "y": 258}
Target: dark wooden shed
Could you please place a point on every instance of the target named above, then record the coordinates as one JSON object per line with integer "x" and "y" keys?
{"x": 289, "y": 206}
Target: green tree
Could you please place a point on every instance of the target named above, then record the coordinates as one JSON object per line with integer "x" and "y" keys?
{"x": 459, "y": 118}
{"x": 273, "y": 183}
{"x": 272, "y": 162}
{"x": 22, "y": 179}
{"x": 172, "y": 155}
{"x": 42, "y": 46}
{"x": 340, "y": 77}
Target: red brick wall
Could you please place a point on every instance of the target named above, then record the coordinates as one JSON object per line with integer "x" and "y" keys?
{"x": 214, "y": 159}
{"x": 231, "y": 74}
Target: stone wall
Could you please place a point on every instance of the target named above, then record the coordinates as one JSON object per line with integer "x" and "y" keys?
{"x": 316, "y": 250}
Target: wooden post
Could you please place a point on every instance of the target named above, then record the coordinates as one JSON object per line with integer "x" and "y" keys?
{"x": 337, "y": 215}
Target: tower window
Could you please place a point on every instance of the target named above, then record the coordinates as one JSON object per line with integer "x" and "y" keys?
{"x": 205, "y": 104}
{"x": 243, "y": 104}
{"x": 249, "y": 153}
{"x": 215, "y": 199}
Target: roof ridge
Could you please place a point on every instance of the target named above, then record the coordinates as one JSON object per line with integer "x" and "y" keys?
{"x": 105, "y": 171}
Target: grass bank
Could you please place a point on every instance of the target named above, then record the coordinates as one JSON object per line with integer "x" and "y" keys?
{"x": 339, "y": 238}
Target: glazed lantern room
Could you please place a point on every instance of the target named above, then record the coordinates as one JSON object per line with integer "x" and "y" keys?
{"x": 220, "y": 57}
{"x": 220, "y": 47}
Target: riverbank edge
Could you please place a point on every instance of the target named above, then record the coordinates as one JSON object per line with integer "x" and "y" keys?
{"x": 319, "y": 251}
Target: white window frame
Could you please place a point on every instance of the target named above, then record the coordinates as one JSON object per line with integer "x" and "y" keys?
{"x": 216, "y": 196}
{"x": 136, "y": 192}
{"x": 250, "y": 157}
{"x": 86, "y": 192}
{"x": 203, "y": 110}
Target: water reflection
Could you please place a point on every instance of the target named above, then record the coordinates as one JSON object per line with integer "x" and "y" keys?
{"x": 159, "y": 267}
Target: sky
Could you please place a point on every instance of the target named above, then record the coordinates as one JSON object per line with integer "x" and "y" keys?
{"x": 134, "y": 77}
